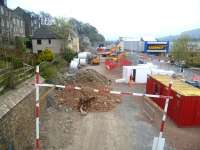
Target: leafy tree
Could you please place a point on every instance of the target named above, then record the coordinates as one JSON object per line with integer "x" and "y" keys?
{"x": 180, "y": 50}
{"x": 20, "y": 44}
{"x": 195, "y": 59}
{"x": 62, "y": 27}
{"x": 88, "y": 35}
{"x": 86, "y": 30}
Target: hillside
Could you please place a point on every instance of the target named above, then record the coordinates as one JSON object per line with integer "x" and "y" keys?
{"x": 88, "y": 34}
{"x": 193, "y": 34}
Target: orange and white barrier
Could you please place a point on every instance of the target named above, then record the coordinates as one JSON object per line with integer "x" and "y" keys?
{"x": 37, "y": 109}
{"x": 159, "y": 142}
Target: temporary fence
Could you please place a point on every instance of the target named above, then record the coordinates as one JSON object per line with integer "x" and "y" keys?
{"x": 158, "y": 143}
{"x": 195, "y": 78}
{"x": 110, "y": 64}
{"x": 10, "y": 78}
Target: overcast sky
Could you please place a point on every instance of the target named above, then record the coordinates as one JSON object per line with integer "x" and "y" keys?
{"x": 132, "y": 18}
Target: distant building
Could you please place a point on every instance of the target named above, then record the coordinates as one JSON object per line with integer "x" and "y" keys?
{"x": 32, "y": 20}
{"x": 44, "y": 37}
{"x": 16, "y": 23}
{"x": 11, "y": 25}
{"x": 132, "y": 44}
{"x": 144, "y": 45}
{"x": 3, "y": 2}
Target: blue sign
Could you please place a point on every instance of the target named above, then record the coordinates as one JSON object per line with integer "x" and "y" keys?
{"x": 156, "y": 47}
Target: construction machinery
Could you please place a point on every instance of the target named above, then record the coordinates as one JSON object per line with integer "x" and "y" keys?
{"x": 117, "y": 60}
{"x": 95, "y": 60}
{"x": 113, "y": 52}
{"x": 101, "y": 48}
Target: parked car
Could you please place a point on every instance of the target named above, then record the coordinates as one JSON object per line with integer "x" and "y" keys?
{"x": 193, "y": 83}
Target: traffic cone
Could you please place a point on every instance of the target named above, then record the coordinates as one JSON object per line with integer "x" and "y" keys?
{"x": 130, "y": 82}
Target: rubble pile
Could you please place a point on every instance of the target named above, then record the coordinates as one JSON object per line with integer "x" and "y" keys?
{"x": 86, "y": 100}
{"x": 89, "y": 76}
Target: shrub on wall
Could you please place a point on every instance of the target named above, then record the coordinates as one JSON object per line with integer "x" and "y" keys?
{"x": 69, "y": 54}
{"x": 46, "y": 55}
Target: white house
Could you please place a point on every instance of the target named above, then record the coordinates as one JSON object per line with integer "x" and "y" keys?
{"x": 44, "y": 37}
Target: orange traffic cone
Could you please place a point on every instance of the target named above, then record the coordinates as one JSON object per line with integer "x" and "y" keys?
{"x": 130, "y": 82}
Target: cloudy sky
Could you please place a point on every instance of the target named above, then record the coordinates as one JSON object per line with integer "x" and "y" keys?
{"x": 132, "y": 18}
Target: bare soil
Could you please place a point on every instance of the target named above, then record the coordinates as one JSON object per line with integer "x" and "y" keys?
{"x": 86, "y": 98}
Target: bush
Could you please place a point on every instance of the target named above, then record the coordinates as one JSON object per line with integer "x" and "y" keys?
{"x": 69, "y": 54}
{"x": 17, "y": 63}
{"x": 46, "y": 55}
{"x": 59, "y": 62}
{"x": 49, "y": 72}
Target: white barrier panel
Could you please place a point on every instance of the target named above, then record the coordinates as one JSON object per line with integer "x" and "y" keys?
{"x": 158, "y": 144}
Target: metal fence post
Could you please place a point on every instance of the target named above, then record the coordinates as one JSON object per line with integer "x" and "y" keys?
{"x": 37, "y": 109}
{"x": 159, "y": 142}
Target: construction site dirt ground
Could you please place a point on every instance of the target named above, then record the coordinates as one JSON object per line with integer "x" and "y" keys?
{"x": 127, "y": 127}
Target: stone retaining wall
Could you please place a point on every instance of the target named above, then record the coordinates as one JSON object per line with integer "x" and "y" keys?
{"x": 17, "y": 119}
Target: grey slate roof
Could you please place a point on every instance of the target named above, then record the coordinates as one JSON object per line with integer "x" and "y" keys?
{"x": 45, "y": 32}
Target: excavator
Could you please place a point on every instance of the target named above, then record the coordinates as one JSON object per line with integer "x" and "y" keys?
{"x": 114, "y": 53}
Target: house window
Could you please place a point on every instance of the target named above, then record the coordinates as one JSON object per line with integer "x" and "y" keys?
{"x": 49, "y": 41}
{"x": 39, "y": 42}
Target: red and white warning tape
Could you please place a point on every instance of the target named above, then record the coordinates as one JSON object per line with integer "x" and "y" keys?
{"x": 105, "y": 90}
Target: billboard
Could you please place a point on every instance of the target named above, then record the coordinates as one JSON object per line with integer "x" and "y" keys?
{"x": 156, "y": 47}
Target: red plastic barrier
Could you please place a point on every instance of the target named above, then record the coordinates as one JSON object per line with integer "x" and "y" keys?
{"x": 195, "y": 78}
{"x": 110, "y": 64}
{"x": 124, "y": 62}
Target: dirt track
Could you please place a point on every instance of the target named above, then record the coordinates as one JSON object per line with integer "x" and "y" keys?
{"x": 125, "y": 128}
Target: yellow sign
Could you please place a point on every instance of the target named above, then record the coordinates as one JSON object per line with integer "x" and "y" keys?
{"x": 156, "y": 47}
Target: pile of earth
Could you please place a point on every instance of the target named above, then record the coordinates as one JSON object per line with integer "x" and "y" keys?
{"x": 86, "y": 99}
